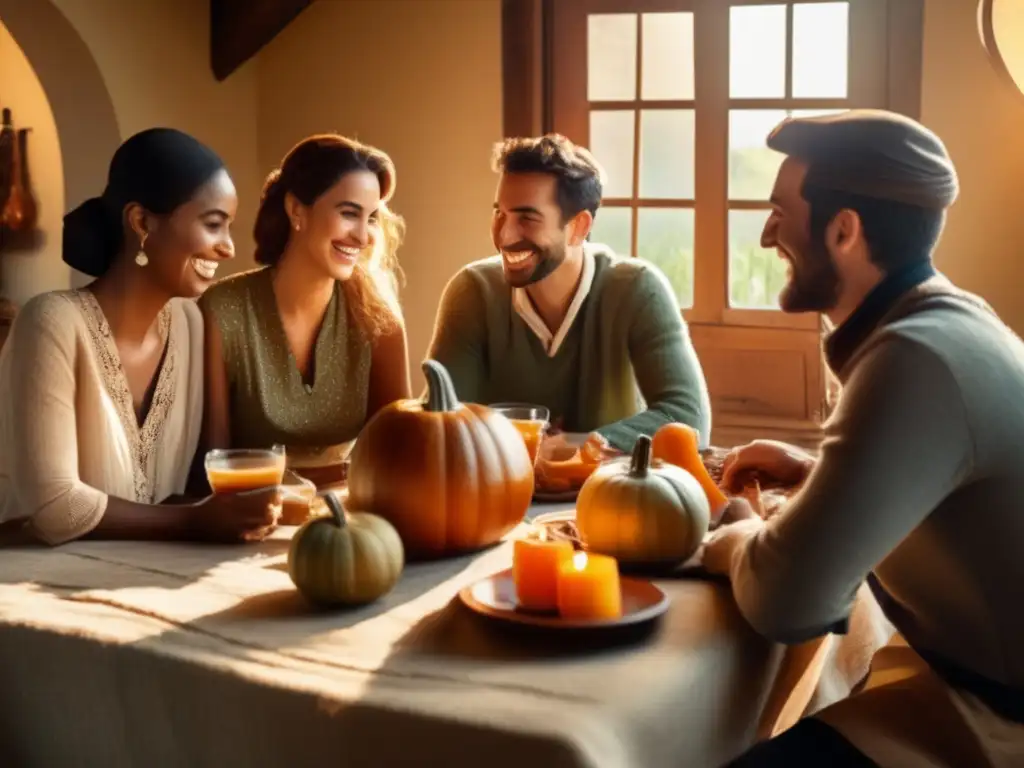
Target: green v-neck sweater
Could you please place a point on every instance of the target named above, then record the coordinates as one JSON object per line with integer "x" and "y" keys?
{"x": 626, "y": 367}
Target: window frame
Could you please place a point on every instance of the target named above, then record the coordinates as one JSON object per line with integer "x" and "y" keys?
{"x": 886, "y": 34}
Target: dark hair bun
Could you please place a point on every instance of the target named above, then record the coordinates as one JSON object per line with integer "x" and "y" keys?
{"x": 91, "y": 237}
{"x": 159, "y": 169}
{"x": 272, "y": 227}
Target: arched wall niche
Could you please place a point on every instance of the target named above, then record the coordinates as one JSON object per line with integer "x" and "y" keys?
{"x": 82, "y": 108}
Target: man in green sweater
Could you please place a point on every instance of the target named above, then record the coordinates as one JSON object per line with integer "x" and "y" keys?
{"x": 552, "y": 320}
{"x": 918, "y": 487}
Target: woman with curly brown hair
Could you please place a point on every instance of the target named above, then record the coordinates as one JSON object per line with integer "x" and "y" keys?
{"x": 305, "y": 349}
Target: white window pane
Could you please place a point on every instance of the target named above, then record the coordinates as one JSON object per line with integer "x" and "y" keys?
{"x": 667, "y": 71}
{"x": 665, "y": 238}
{"x": 821, "y": 38}
{"x": 756, "y": 274}
{"x": 611, "y": 142}
{"x": 613, "y": 226}
{"x": 757, "y": 51}
{"x": 667, "y": 153}
{"x": 611, "y": 57}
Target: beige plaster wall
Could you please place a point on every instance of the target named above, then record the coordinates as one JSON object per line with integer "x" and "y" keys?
{"x": 981, "y": 121}
{"x": 154, "y": 60}
{"x": 421, "y": 80}
{"x": 26, "y": 272}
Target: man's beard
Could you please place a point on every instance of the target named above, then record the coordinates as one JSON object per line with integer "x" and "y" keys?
{"x": 814, "y": 283}
{"x": 548, "y": 260}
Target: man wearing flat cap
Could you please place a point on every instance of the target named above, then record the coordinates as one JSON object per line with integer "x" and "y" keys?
{"x": 918, "y": 487}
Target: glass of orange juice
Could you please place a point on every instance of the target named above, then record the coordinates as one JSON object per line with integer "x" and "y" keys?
{"x": 530, "y": 420}
{"x": 244, "y": 469}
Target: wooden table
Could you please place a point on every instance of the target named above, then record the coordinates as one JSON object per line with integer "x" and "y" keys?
{"x": 130, "y": 654}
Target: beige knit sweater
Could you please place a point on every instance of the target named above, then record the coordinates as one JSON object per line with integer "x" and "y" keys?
{"x": 69, "y": 437}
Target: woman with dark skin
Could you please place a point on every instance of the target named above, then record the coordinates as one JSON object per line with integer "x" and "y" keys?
{"x": 303, "y": 351}
{"x": 104, "y": 384}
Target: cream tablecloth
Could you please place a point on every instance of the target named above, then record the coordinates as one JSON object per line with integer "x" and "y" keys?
{"x": 148, "y": 654}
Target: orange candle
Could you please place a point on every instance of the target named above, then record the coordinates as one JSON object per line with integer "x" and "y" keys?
{"x": 588, "y": 588}
{"x": 535, "y": 566}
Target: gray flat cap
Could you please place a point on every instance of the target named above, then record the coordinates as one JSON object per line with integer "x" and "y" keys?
{"x": 873, "y": 153}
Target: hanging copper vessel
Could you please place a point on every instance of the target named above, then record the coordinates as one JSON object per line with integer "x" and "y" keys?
{"x": 20, "y": 211}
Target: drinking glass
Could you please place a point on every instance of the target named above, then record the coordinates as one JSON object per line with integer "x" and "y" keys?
{"x": 244, "y": 469}
{"x": 530, "y": 420}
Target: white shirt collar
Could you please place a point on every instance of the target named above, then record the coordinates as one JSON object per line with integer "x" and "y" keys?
{"x": 524, "y": 308}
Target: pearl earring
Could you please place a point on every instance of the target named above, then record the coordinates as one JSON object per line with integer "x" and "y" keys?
{"x": 141, "y": 258}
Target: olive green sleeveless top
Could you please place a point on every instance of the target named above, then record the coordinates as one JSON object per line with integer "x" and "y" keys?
{"x": 269, "y": 401}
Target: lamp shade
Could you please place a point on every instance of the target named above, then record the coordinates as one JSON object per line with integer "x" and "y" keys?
{"x": 1001, "y": 24}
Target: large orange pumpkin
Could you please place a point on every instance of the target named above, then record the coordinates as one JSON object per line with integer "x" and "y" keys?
{"x": 451, "y": 477}
{"x": 677, "y": 444}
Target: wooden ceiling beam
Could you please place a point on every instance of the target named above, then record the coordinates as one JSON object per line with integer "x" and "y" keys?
{"x": 240, "y": 28}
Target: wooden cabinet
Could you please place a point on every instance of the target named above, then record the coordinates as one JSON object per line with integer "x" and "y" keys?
{"x": 764, "y": 382}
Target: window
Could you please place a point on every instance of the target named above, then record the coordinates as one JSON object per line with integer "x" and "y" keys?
{"x": 676, "y": 99}
{"x": 640, "y": 89}
{"x": 777, "y": 53}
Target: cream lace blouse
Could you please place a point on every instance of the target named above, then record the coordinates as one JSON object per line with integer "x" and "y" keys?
{"x": 69, "y": 437}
